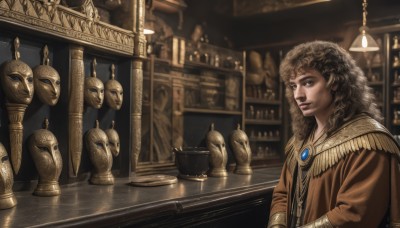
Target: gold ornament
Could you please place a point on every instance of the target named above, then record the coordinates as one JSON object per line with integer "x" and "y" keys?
{"x": 94, "y": 89}
{"x": 113, "y": 140}
{"x": 361, "y": 132}
{"x": 43, "y": 146}
{"x": 100, "y": 156}
{"x": 114, "y": 93}
{"x": 241, "y": 151}
{"x": 219, "y": 156}
{"x": 7, "y": 198}
{"x": 46, "y": 81}
{"x": 17, "y": 83}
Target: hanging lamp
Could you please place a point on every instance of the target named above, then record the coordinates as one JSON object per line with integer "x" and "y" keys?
{"x": 364, "y": 42}
{"x": 149, "y": 18}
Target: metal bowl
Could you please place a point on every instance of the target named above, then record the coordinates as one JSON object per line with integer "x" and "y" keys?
{"x": 192, "y": 162}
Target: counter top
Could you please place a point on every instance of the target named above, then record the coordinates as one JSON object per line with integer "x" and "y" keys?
{"x": 120, "y": 204}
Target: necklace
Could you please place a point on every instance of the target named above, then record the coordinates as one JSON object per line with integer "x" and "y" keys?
{"x": 307, "y": 153}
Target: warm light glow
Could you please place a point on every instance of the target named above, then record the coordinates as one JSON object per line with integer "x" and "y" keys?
{"x": 364, "y": 41}
{"x": 148, "y": 31}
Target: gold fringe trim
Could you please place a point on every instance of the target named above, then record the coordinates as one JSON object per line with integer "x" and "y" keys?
{"x": 362, "y": 132}
{"x": 371, "y": 141}
{"x": 290, "y": 155}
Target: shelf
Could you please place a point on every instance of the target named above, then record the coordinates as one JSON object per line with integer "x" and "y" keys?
{"x": 395, "y": 102}
{"x": 263, "y": 122}
{"x": 375, "y": 83}
{"x": 372, "y": 67}
{"x": 197, "y": 65}
{"x": 262, "y": 101}
{"x": 395, "y": 84}
{"x": 396, "y": 124}
{"x": 268, "y": 157}
{"x": 264, "y": 139}
{"x": 212, "y": 111}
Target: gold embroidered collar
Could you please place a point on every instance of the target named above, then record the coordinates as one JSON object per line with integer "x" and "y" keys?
{"x": 362, "y": 132}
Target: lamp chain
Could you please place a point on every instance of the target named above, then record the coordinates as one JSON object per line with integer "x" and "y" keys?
{"x": 364, "y": 12}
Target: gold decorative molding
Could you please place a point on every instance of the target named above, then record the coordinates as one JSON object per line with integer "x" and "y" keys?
{"x": 75, "y": 107}
{"x": 136, "y": 111}
{"x": 65, "y": 23}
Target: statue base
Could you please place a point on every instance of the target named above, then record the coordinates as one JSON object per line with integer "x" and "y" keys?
{"x": 7, "y": 200}
{"x": 102, "y": 179}
{"x": 47, "y": 188}
{"x": 218, "y": 172}
{"x": 243, "y": 170}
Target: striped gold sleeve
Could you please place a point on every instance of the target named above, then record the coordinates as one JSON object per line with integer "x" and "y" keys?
{"x": 277, "y": 220}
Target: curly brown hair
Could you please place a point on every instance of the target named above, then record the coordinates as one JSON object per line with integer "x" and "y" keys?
{"x": 352, "y": 97}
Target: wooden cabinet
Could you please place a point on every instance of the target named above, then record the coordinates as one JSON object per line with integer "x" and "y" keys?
{"x": 382, "y": 69}
{"x": 181, "y": 101}
{"x": 264, "y": 108}
{"x": 75, "y": 37}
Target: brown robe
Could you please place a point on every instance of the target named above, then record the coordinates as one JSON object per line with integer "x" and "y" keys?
{"x": 356, "y": 190}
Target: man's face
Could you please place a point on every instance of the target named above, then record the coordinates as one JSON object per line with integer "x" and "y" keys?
{"x": 94, "y": 92}
{"x": 114, "y": 94}
{"x": 311, "y": 93}
{"x": 47, "y": 84}
{"x": 17, "y": 81}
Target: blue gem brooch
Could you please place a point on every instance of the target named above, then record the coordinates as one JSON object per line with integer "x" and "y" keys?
{"x": 306, "y": 156}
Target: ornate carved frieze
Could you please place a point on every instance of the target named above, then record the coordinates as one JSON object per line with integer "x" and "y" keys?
{"x": 49, "y": 17}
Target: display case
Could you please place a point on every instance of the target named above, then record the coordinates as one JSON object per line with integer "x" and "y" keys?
{"x": 263, "y": 107}
{"x": 183, "y": 95}
{"x": 75, "y": 38}
{"x": 389, "y": 68}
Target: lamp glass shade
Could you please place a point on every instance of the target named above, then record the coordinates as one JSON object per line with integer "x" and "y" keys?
{"x": 148, "y": 31}
{"x": 364, "y": 43}
{"x": 149, "y": 21}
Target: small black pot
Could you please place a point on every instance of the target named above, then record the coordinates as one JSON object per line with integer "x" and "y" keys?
{"x": 192, "y": 161}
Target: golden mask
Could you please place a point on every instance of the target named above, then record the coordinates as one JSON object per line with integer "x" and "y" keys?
{"x": 94, "y": 90}
{"x": 239, "y": 143}
{"x": 219, "y": 156}
{"x": 17, "y": 79}
{"x": 7, "y": 198}
{"x": 46, "y": 81}
{"x": 113, "y": 140}
{"x": 114, "y": 91}
{"x": 100, "y": 156}
{"x": 43, "y": 146}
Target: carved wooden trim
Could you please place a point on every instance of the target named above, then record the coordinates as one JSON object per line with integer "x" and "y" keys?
{"x": 75, "y": 108}
{"x": 66, "y": 24}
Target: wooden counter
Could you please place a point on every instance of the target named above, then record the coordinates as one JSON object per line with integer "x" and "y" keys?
{"x": 235, "y": 201}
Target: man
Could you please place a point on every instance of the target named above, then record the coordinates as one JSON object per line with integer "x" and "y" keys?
{"x": 342, "y": 165}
